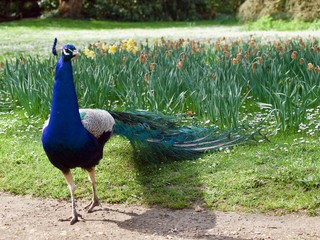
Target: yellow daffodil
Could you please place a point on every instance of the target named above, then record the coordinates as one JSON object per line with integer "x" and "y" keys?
{"x": 104, "y": 47}
{"x": 89, "y": 53}
{"x": 123, "y": 46}
{"x": 112, "y": 49}
{"x": 86, "y": 51}
{"x": 92, "y": 54}
{"x": 130, "y": 46}
{"x": 135, "y": 50}
{"x": 130, "y": 43}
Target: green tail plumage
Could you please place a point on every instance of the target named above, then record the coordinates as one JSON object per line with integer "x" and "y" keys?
{"x": 159, "y": 138}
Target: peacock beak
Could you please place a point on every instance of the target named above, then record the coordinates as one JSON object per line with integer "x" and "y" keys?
{"x": 75, "y": 53}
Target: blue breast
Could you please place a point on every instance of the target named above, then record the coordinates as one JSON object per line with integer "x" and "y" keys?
{"x": 66, "y": 142}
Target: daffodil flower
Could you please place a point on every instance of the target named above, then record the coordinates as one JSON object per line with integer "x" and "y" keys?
{"x": 112, "y": 49}
{"x": 104, "y": 47}
{"x": 130, "y": 43}
{"x": 89, "y": 53}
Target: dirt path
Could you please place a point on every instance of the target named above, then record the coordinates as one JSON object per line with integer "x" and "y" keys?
{"x": 32, "y": 218}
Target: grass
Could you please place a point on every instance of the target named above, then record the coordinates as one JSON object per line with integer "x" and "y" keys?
{"x": 268, "y": 23}
{"x": 280, "y": 177}
{"x": 57, "y": 23}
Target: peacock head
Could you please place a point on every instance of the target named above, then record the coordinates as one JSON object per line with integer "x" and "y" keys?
{"x": 68, "y": 52}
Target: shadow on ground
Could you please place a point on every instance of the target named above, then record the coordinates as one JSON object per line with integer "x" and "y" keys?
{"x": 185, "y": 224}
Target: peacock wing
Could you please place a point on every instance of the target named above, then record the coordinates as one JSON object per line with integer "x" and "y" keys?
{"x": 96, "y": 121}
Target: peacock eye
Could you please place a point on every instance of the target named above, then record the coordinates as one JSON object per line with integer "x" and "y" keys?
{"x": 66, "y": 51}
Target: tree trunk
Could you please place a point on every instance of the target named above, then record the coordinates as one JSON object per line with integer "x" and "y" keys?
{"x": 70, "y": 8}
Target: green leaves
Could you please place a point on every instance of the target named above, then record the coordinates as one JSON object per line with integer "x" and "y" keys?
{"x": 29, "y": 82}
{"x": 214, "y": 82}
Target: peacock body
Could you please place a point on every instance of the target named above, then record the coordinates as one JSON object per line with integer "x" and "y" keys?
{"x": 67, "y": 143}
{"x": 74, "y": 137}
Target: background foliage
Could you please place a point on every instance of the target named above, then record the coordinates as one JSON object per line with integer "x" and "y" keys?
{"x": 143, "y": 10}
{"x": 139, "y": 10}
{"x": 161, "y": 10}
{"x": 15, "y": 9}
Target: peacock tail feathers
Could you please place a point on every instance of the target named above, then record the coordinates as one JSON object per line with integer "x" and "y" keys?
{"x": 159, "y": 138}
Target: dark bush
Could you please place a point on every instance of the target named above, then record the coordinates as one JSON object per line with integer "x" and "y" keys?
{"x": 48, "y": 5}
{"x": 156, "y": 10}
{"x": 124, "y": 10}
{"x": 15, "y": 9}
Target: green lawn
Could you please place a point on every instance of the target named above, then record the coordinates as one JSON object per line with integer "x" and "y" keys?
{"x": 34, "y": 36}
{"x": 280, "y": 176}
{"x": 267, "y": 23}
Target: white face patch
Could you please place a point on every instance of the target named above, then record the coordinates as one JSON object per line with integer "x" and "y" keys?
{"x": 65, "y": 52}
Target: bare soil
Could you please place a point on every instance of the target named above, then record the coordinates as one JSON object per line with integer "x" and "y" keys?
{"x": 26, "y": 217}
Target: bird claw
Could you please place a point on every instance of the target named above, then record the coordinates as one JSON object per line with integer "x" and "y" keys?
{"x": 94, "y": 203}
{"x": 73, "y": 219}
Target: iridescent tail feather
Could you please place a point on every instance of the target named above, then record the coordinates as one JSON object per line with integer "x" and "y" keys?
{"x": 159, "y": 138}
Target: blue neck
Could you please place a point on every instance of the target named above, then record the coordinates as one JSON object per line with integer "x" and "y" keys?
{"x": 65, "y": 140}
{"x": 65, "y": 109}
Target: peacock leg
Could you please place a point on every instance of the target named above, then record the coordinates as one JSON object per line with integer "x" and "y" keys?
{"x": 72, "y": 187}
{"x": 95, "y": 200}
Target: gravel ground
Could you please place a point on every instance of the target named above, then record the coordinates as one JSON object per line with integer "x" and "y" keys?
{"x": 25, "y": 217}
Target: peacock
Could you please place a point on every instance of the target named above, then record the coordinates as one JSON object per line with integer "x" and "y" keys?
{"x": 74, "y": 137}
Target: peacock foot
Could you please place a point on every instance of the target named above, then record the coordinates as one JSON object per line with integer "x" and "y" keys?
{"x": 94, "y": 203}
{"x": 73, "y": 219}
